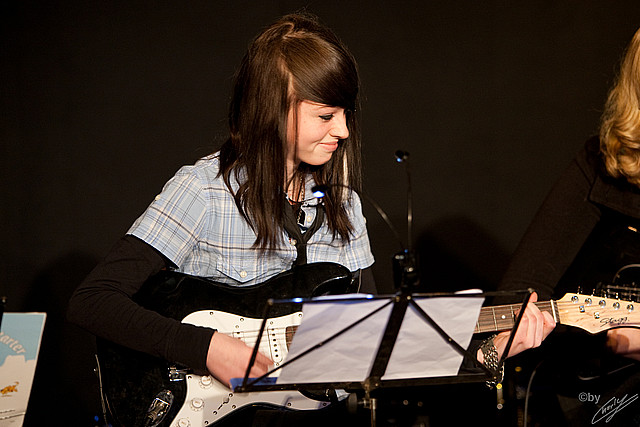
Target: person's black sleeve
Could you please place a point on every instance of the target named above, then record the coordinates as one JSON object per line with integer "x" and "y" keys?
{"x": 555, "y": 236}
{"x": 102, "y": 305}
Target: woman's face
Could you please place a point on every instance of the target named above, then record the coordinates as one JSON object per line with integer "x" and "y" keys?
{"x": 320, "y": 127}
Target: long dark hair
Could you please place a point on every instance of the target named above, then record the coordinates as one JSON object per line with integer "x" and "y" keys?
{"x": 294, "y": 59}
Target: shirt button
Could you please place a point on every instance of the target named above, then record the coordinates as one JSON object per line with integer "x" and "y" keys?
{"x": 158, "y": 197}
{"x": 309, "y": 218}
{"x": 293, "y": 241}
{"x": 243, "y": 274}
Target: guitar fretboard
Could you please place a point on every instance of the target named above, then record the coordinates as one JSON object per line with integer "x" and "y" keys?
{"x": 502, "y": 317}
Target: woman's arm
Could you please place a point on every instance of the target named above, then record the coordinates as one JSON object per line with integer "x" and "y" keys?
{"x": 102, "y": 305}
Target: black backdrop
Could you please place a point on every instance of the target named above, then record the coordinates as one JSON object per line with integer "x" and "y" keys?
{"x": 103, "y": 101}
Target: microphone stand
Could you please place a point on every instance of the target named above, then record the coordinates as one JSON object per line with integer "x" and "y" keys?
{"x": 404, "y": 267}
{"x": 405, "y": 271}
{"x": 406, "y": 280}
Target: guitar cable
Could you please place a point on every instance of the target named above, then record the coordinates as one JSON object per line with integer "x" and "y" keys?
{"x": 103, "y": 398}
{"x": 528, "y": 393}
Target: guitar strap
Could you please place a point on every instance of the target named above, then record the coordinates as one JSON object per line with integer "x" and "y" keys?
{"x": 295, "y": 233}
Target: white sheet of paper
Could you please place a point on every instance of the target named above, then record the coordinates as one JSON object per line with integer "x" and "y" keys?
{"x": 419, "y": 352}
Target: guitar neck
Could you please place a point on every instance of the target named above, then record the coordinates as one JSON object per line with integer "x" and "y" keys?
{"x": 503, "y": 317}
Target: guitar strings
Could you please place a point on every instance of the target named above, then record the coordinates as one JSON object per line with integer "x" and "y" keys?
{"x": 488, "y": 316}
{"x": 266, "y": 342}
{"x": 494, "y": 318}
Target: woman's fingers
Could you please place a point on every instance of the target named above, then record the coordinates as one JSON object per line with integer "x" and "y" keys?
{"x": 229, "y": 357}
{"x": 534, "y": 327}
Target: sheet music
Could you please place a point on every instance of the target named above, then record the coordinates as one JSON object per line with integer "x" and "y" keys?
{"x": 419, "y": 352}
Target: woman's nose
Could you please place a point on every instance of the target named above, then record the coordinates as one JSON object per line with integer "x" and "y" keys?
{"x": 340, "y": 129}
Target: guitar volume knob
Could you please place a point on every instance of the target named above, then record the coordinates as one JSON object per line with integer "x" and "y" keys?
{"x": 197, "y": 404}
{"x": 206, "y": 381}
{"x": 184, "y": 422}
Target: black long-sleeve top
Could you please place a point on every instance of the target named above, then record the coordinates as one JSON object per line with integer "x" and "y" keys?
{"x": 103, "y": 305}
{"x": 582, "y": 234}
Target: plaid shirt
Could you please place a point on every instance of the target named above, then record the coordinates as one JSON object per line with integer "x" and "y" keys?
{"x": 195, "y": 223}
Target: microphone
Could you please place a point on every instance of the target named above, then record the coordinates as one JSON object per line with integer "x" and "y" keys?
{"x": 401, "y": 156}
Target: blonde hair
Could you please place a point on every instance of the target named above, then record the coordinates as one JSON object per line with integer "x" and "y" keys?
{"x": 620, "y": 124}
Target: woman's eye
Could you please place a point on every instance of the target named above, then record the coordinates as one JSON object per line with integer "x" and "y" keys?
{"x": 326, "y": 117}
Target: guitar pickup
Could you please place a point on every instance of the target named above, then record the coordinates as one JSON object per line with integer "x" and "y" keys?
{"x": 278, "y": 346}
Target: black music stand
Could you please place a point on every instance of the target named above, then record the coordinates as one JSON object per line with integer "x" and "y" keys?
{"x": 400, "y": 302}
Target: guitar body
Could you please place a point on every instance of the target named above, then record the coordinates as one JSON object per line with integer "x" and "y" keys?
{"x": 132, "y": 381}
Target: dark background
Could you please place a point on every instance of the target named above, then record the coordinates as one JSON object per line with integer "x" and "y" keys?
{"x": 101, "y": 102}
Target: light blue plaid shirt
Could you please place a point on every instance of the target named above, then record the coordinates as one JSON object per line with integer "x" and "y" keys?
{"x": 195, "y": 223}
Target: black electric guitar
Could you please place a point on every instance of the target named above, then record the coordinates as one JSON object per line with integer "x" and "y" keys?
{"x": 139, "y": 389}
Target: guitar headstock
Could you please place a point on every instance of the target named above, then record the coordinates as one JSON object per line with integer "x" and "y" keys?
{"x": 595, "y": 314}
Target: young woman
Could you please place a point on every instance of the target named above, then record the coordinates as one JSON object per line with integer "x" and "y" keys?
{"x": 585, "y": 235}
{"x": 246, "y": 213}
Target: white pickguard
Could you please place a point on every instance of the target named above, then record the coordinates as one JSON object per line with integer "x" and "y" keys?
{"x": 207, "y": 400}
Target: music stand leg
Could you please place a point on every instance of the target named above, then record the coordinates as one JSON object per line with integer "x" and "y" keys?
{"x": 371, "y": 403}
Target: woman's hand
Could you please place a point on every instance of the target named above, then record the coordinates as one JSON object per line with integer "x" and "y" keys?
{"x": 533, "y": 329}
{"x": 625, "y": 342}
{"x": 229, "y": 357}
